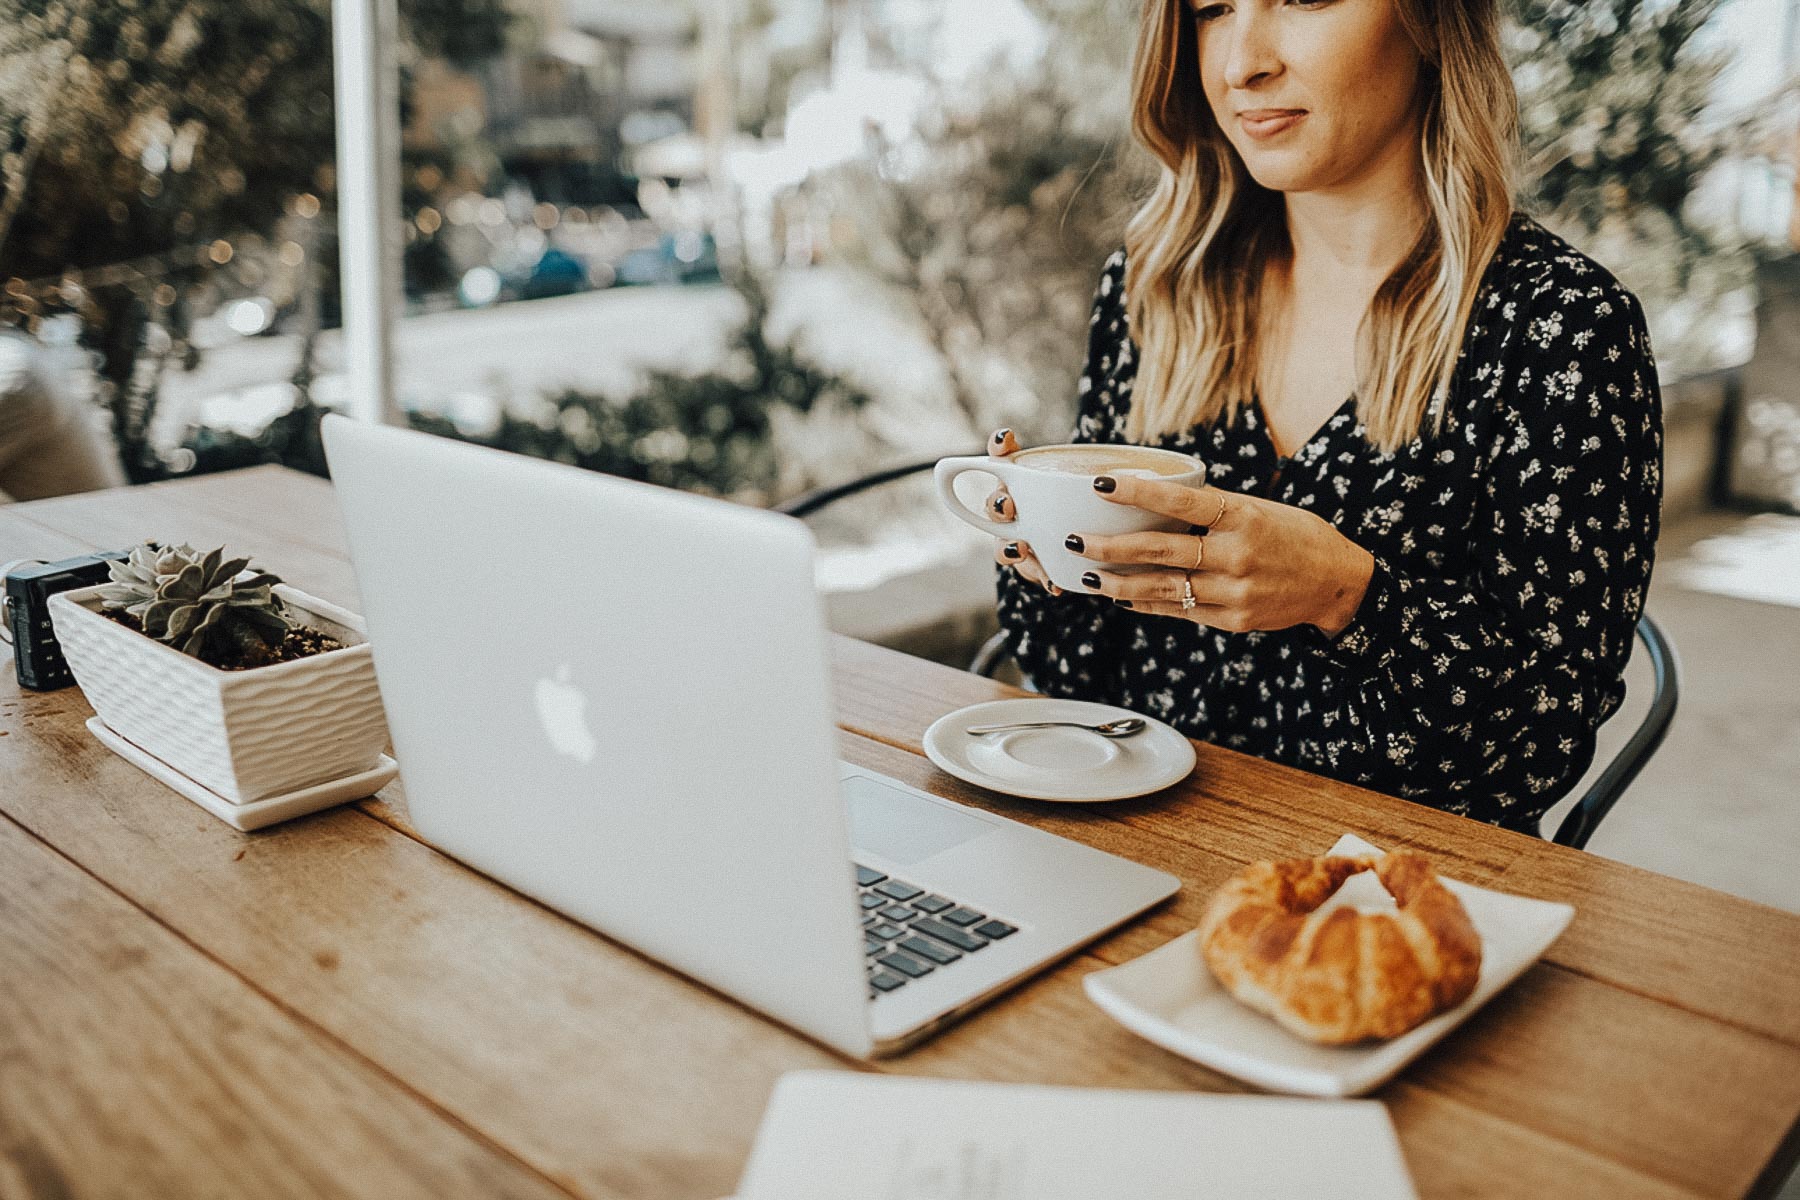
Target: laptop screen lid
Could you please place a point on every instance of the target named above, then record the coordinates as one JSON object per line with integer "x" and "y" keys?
{"x": 614, "y": 698}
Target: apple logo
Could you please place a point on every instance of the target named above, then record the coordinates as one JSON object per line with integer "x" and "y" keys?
{"x": 562, "y": 710}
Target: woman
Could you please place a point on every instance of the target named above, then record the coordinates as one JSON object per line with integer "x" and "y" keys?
{"x": 1429, "y": 587}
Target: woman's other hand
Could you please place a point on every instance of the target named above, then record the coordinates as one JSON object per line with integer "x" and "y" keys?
{"x": 1251, "y": 564}
{"x": 999, "y": 504}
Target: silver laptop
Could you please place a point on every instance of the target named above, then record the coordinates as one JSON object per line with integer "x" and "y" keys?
{"x": 616, "y": 698}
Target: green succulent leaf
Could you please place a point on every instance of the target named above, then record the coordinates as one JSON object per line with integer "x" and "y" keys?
{"x": 182, "y": 619}
{"x": 195, "y": 601}
{"x": 270, "y": 627}
{"x": 188, "y": 584}
{"x": 156, "y": 617}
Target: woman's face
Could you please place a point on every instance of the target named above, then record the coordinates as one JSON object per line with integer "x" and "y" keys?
{"x": 1313, "y": 93}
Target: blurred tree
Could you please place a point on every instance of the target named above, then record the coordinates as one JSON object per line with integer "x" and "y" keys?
{"x": 1614, "y": 102}
{"x": 994, "y": 223}
{"x": 146, "y": 144}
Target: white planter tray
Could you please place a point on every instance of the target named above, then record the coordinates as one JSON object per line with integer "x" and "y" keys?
{"x": 257, "y": 813}
{"x": 245, "y": 736}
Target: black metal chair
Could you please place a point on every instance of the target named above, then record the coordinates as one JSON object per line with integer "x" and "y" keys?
{"x": 1580, "y": 822}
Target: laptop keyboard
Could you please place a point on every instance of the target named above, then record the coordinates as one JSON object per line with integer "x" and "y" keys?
{"x": 908, "y": 932}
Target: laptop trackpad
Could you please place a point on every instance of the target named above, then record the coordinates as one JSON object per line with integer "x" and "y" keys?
{"x": 902, "y": 827}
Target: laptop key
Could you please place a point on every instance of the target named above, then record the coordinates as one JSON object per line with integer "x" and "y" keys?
{"x": 927, "y": 949}
{"x": 865, "y": 877}
{"x": 869, "y": 900}
{"x": 931, "y": 904}
{"x": 995, "y": 929}
{"x": 961, "y": 939}
{"x": 873, "y": 946}
{"x": 898, "y": 890}
{"x": 887, "y": 931}
{"x": 896, "y": 912}
{"x": 886, "y": 981}
{"x": 906, "y": 964}
{"x": 962, "y": 916}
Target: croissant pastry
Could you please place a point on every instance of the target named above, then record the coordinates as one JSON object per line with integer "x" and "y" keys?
{"x": 1344, "y": 975}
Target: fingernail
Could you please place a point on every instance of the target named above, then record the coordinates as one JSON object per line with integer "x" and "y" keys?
{"x": 1090, "y": 579}
{"x": 1011, "y": 550}
{"x": 1053, "y": 589}
{"x": 1105, "y": 483}
{"x": 1000, "y": 505}
{"x": 1123, "y": 603}
{"x": 1074, "y": 543}
{"x": 1000, "y": 437}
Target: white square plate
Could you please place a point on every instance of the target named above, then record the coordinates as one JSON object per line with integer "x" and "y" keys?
{"x": 1170, "y": 997}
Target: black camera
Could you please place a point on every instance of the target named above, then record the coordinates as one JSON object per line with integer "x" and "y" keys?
{"x": 29, "y": 586}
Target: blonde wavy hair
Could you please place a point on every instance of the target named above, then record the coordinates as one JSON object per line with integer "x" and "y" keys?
{"x": 1197, "y": 248}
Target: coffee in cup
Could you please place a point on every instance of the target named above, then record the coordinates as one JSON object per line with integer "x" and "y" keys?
{"x": 1052, "y": 489}
{"x": 1142, "y": 461}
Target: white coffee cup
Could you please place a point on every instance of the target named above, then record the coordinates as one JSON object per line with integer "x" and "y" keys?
{"x": 1052, "y": 489}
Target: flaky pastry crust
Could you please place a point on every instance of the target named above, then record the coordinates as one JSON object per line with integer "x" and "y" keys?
{"x": 1343, "y": 975}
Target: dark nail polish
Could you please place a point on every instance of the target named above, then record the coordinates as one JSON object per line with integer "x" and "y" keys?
{"x": 1123, "y": 603}
{"x": 1090, "y": 579}
{"x": 1000, "y": 437}
{"x": 1074, "y": 543}
{"x": 1105, "y": 483}
{"x": 1000, "y": 505}
{"x": 1011, "y": 550}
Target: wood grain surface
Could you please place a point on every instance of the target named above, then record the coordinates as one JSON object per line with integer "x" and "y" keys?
{"x": 217, "y": 1013}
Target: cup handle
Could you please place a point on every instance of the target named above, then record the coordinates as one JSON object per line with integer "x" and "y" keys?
{"x": 944, "y": 475}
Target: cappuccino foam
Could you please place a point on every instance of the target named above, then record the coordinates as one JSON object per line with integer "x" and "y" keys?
{"x": 1105, "y": 460}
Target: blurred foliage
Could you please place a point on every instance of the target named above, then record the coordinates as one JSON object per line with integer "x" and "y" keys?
{"x": 718, "y": 432}
{"x": 1614, "y": 98}
{"x": 993, "y": 225}
{"x": 146, "y": 144}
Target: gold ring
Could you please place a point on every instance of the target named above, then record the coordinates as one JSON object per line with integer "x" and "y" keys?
{"x": 1187, "y": 592}
{"x": 1220, "y": 515}
{"x": 1199, "y": 553}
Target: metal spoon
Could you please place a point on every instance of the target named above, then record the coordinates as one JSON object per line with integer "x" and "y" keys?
{"x": 1124, "y": 727}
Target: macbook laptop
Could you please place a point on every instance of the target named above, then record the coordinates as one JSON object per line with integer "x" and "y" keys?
{"x": 616, "y": 698}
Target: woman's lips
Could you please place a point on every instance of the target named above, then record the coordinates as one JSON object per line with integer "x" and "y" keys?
{"x": 1267, "y": 122}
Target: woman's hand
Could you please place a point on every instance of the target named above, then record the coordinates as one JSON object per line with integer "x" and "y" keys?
{"x": 1252, "y": 563}
{"x": 1016, "y": 555}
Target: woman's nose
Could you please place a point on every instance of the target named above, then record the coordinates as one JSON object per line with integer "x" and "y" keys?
{"x": 1253, "y": 53}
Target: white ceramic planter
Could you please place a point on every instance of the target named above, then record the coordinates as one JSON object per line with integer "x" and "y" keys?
{"x": 244, "y": 735}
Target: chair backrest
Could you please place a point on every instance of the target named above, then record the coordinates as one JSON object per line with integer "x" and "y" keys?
{"x": 1597, "y": 801}
{"x": 1576, "y": 828}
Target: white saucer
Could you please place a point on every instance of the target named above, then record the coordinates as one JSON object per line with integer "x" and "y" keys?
{"x": 257, "y": 813}
{"x": 1071, "y": 765}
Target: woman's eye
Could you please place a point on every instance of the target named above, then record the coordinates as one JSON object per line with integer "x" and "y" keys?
{"x": 1207, "y": 12}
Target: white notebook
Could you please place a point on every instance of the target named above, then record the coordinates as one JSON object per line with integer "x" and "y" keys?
{"x": 828, "y": 1135}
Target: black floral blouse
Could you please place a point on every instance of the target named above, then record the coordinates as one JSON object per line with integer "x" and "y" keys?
{"x": 1513, "y": 551}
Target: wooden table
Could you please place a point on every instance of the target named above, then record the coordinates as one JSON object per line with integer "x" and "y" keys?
{"x": 333, "y": 1008}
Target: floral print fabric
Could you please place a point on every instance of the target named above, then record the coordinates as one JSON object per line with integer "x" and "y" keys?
{"x": 1513, "y": 550}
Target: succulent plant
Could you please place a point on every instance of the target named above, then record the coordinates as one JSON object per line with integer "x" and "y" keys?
{"x": 196, "y": 602}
